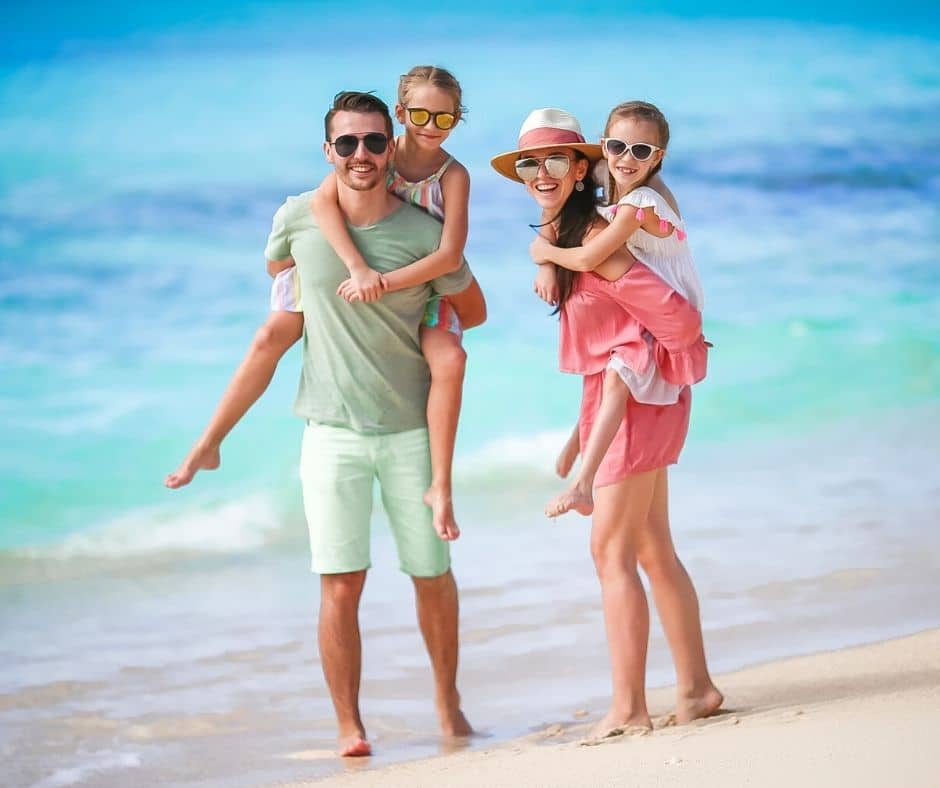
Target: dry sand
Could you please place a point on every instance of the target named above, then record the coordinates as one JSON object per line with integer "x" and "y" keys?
{"x": 867, "y": 716}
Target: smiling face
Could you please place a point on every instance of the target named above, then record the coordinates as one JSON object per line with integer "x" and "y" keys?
{"x": 549, "y": 192}
{"x": 362, "y": 170}
{"x": 424, "y": 95}
{"x": 627, "y": 172}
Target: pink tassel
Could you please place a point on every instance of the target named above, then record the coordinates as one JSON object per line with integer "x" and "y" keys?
{"x": 680, "y": 234}
{"x": 663, "y": 226}
{"x": 640, "y": 215}
{"x": 613, "y": 210}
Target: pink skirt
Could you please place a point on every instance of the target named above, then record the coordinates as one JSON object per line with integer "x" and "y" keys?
{"x": 650, "y": 437}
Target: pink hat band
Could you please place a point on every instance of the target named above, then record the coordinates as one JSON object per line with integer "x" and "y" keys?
{"x": 536, "y": 138}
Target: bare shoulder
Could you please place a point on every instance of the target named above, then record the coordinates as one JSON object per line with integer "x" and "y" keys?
{"x": 455, "y": 173}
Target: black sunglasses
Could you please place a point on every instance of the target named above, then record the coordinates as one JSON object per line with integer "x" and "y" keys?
{"x": 347, "y": 144}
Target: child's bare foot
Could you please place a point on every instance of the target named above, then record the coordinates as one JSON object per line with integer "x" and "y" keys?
{"x": 576, "y": 497}
{"x": 615, "y": 724}
{"x": 566, "y": 458}
{"x": 354, "y": 746}
{"x": 698, "y": 706}
{"x": 442, "y": 512}
{"x": 200, "y": 458}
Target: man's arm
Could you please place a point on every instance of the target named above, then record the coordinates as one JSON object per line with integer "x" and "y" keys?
{"x": 276, "y": 266}
{"x": 470, "y": 305}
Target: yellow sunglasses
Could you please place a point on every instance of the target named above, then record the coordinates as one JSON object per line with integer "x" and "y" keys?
{"x": 421, "y": 117}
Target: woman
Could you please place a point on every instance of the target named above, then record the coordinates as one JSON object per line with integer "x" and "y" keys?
{"x": 630, "y": 525}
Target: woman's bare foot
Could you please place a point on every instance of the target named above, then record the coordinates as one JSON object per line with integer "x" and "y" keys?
{"x": 698, "y": 706}
{"x": 202, "y": 457}
{"x": 576, "y": 497}
{"x": 442, "y": 512}
{"x": 354, "y": 746}
{"x": 566, "y": 458}
{"x": 614, "y": 724}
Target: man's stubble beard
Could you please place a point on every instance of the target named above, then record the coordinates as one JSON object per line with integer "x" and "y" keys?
{"x": 343, "y": 173}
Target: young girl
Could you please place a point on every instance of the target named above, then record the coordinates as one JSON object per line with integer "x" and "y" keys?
{"x": 429, "y": 106}
{"x": 641, "y": 213}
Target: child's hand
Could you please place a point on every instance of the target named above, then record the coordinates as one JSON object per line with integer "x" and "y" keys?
{"x": 540, "y": 249}
{"x": 364, "y": 284}
{"x": 546, "y": 284}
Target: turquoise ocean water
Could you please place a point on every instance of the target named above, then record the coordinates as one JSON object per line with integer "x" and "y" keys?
{"x": 141, "y": 160}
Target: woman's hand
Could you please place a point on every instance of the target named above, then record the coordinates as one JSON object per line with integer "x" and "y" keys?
{"x": 546, "y": 284}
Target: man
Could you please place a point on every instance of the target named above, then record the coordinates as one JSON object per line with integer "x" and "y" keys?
{"x": 363, "y": 393}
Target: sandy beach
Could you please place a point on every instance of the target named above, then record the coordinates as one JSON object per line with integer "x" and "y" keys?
{"x": 865, "y": 716}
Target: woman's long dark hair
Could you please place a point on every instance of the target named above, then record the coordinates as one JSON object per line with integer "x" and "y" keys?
{"x": 574, "y": 220}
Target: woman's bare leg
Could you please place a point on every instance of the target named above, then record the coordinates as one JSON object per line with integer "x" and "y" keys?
{"x": 610, "y": 415}
{"x": 447, "y": 361}
{"x": 621, "y": 510}
{"x": 271, "y": 342}
{"x": 678, "y": 608}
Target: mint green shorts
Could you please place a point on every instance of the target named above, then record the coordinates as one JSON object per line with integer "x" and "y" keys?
{"x": 338, "y": 469}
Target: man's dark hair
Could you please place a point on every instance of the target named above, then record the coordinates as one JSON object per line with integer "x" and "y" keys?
{"x": 357, "y": 101}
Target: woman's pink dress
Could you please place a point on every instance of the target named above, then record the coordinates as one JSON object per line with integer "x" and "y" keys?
{"x": 600, "y": 318}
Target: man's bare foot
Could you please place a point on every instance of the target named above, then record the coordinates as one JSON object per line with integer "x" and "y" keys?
{"x": 454, "y": 723}
{"x": 615, "y": 724}
{"x": 200, "y": 458}
{"x": 566, "y": 458}
{"x": 582, "y": 501}
{"x": 699, "y": 706}
{"x": 442, "y": 512}
{"x": 354, "y": 746}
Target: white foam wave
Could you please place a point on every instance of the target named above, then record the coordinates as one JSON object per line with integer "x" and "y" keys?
{"x": 532, "y": 454}
{"x": 231, "y": 527}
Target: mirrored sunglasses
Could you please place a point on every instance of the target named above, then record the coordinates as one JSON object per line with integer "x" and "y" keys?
{"x": 347, "y": 144}
{"x": 421, "y": 117}
{"x": 640, "y": 151}
{"x": 556, "y": 165}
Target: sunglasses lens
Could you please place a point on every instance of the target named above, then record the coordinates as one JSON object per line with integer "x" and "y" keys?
{"x": 375, "y": 142}
{"x": 445, "y": 120}
{"x": 419, "y": 117}
{"x": 345, "y": 145}
{"x": 614, "y": 147}
{"x": 527, "y": 169}
{"x": 557, "y": 166}
{"x": 641, "y": 151}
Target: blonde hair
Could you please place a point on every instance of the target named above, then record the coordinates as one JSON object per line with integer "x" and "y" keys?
{"x": 641, "y": 110}
{"x": 433, "y": 75}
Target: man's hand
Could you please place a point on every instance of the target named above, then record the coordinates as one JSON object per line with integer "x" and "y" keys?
{"x": 364, "y": 284}
{"x": 546, "y": 284}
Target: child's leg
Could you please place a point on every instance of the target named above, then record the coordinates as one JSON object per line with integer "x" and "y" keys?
{"x": 447, "y": 360}
{"x": 279, "y": 332}
{"x": 610, "y": 415}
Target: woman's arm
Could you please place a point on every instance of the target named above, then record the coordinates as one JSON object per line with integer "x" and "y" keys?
{"x": 366, "y": 282}
{"x": 455, "y": 185}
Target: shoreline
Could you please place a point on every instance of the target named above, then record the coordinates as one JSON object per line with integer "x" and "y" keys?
{"x": 860, "y": 716}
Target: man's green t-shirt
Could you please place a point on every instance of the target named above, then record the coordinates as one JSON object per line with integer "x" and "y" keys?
{"x": 362, "y": 365}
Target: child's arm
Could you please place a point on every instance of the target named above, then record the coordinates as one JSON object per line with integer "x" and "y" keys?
{"x": 276, "y": 266}
{"x": 603, "y": 244}
{"x": 455, "y": 185}
{"x": 366, "y": 284}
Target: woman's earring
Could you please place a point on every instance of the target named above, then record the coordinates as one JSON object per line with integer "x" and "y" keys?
{"x": 579, "y": 186}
